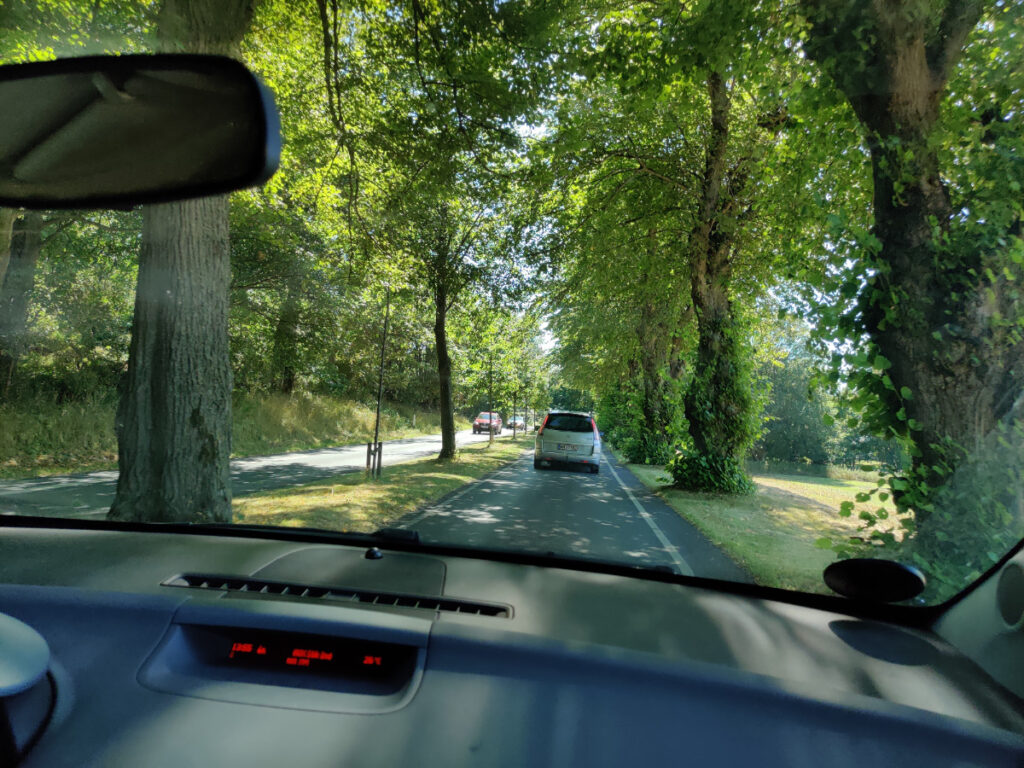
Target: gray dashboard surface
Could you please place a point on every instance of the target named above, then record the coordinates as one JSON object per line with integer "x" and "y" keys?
{"x": 592, "y": 669}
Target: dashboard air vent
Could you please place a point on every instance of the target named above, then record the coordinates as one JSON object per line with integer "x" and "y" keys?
{"x": 340, "y": 594}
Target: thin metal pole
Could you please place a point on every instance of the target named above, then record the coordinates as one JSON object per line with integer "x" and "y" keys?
{"x": 380, "y": 378}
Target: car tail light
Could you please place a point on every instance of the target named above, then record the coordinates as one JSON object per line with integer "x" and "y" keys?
{"x": 543, "y": 424}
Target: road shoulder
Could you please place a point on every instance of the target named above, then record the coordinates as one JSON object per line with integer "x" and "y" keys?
{"x": 703, "y": 557}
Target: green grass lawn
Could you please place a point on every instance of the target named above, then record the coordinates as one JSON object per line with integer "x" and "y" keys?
{"x": 354, "y": 502}
{"x": 772, "y": 532}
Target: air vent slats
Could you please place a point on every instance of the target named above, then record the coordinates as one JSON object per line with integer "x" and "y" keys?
{"x": 315, "y": 592}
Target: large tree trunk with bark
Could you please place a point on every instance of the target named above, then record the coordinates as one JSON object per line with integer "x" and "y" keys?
{"x": 16, "y": 286}
{"x": 174, "y": 416}
{"x": 444, "y": 373}
{"x": 930, "y": 311}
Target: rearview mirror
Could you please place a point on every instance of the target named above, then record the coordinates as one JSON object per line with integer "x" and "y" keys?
{"x": 103, "y": 131}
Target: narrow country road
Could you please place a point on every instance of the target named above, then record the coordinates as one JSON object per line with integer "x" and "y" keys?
{"x": 609, "y": 516}
{"x": 90, "y": 495}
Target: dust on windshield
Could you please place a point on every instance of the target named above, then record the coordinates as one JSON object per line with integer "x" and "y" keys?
{"x": 779, "y": 266}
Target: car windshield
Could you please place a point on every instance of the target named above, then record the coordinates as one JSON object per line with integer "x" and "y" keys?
{"x": 776, "y": 252}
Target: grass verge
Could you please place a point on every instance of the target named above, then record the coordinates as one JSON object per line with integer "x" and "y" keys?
{"x": 354, "y": 502}
{"x": 772, "y": 532}
{"x": 40, "y": 437}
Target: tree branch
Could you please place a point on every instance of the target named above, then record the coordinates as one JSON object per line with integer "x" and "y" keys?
{"x": 958, "y": 19}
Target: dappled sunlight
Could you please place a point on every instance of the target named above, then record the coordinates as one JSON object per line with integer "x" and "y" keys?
{"x": 550, "y": 510}
{"x": 355, "y": 502}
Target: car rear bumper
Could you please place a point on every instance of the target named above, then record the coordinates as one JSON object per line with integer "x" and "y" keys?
{"x": 554, "y": 457}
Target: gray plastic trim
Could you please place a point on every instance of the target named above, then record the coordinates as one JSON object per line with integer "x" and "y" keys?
{"x": 24, "y": 656}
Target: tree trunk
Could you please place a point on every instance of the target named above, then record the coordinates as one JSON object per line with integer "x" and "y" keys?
{"x": 653, "y": 403}
{"x": 444, "y": 374}
{"x": 16, "y": 293}
{"x": 717, "y": 403}
{"x": 285, "y": 356}
{"x": 930, "y": 311}
{"x": 7, "y": 217}
{"x": 174, "y": 416}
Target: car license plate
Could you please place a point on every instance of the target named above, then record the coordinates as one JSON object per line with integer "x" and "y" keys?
{"x": 567, "y": 447}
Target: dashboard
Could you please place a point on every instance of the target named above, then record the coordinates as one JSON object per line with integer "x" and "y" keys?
{"x": 172, "y": 649}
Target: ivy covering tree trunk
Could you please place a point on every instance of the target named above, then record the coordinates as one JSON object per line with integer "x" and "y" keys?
{"x": 174, "y": 415}
{"x": 940, "y": 311}
{"x": 654, "y": 405}
{"x": 718, "y": 403}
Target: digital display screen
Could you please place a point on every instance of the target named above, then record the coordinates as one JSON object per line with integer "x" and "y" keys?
{"x": 312, "y": 654}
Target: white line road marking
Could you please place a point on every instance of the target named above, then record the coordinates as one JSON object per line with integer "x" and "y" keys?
{"x": 681, "y": 564}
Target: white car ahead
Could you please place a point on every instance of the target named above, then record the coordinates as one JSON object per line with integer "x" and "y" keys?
{"x": 568, "y": 437}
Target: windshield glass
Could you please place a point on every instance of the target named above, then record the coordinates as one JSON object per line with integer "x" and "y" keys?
{"x": 568, "y": 422}
{"x": 780, "y": 265}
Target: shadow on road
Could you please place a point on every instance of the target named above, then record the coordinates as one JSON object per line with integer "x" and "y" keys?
{"x": 563, "y": 510}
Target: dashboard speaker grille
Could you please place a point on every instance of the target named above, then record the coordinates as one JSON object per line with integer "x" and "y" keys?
{"x": 338, "y": 594}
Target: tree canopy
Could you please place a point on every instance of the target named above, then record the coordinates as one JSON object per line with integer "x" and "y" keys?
{"x": 748, "y": 230}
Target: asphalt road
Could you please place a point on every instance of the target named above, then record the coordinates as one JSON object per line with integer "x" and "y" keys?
{"x": 610, "y": 516}
{"x": 90, "y": 495}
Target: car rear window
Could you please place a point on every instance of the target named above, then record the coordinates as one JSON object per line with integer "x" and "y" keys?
{"x": 568, "y": 422}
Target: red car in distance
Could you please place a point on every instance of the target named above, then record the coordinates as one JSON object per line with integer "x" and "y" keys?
{"x": 487, "y": 420}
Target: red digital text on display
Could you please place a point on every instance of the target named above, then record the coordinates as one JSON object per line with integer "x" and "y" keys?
{"x": 299, "y": 657}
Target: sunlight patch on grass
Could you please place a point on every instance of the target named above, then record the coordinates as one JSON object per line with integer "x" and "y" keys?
{"x": 354, "y": 502}
{"x": 772, "y": 532}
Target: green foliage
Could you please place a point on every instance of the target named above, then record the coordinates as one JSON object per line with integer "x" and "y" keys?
{"x": 795, "y": 427}
{"x": 922, "y": 314}
{"x": 538, "y": 168}
{"x": 720, "y": 407}
{"x": 620, "y": 416}
{"x": 693, "y": 471}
